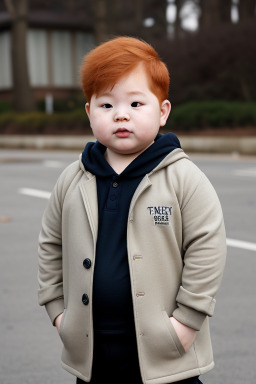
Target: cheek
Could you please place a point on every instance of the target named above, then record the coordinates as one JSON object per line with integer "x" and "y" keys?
{"x": 95, "y": 121}
{"x": 150, "y": 122}
{"x": 100, "y": 129}
{"x": 96, "y": 127}
{"x": 100, "y": 118}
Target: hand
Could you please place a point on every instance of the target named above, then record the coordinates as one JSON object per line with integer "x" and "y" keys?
{"x": 186, "y": 334}
{"x": 58, "y": 321}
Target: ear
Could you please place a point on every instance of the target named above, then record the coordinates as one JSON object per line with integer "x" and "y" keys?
{"x": 165, "y": 111}
{"x": 87, "y": 109}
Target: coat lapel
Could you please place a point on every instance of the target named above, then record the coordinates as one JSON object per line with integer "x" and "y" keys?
{"x": 89, "y": 194}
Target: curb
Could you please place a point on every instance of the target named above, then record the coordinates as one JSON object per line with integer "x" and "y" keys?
{"x": 44, "y": 142}
{"x": 243, "y": 145}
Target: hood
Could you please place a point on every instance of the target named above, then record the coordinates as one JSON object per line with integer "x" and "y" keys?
{"x": 165, "y": 150}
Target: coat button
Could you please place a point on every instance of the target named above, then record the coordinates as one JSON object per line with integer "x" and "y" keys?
{"x": 85, "y": 299}
{"x": 115, "y": 184}
{"x": 87, "y": 263}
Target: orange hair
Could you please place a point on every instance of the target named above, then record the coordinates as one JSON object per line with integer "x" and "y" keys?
{"x": 105, "y": 65}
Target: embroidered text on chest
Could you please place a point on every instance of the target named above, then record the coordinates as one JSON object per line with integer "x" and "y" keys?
{"x": 161, "y": 214}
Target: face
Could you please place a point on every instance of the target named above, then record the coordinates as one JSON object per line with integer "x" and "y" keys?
{"x": 126, "y": 118}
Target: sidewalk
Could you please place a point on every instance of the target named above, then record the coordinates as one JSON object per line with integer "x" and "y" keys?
{"x": 243, "y": 145}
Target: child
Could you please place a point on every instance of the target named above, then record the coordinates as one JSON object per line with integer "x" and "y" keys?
{"x": 132, "y": 246}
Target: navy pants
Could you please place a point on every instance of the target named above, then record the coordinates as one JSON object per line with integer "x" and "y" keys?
{"x": 115, "y": 361}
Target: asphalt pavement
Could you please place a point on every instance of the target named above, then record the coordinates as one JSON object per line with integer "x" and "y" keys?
{"x": 30, "y": 347}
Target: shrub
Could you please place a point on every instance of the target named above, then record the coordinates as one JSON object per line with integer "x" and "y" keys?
{"x": 64, "y": 105}
{"x": 40, "y": 123}
{"x": 5, "y": 106}
{"x": 218, "y": 63}
{"x": 216, "y": 114}
{"x": 191, "y": 116}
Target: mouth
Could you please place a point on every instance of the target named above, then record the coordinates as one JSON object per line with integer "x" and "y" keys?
{"x": 122, "y": 132}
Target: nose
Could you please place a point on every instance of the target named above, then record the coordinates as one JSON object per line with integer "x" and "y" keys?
{"x": 121, "y": 116}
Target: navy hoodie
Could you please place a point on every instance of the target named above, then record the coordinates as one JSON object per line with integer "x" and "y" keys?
{"x": 112, "y": 298}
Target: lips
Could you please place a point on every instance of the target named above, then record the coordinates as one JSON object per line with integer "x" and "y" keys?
{"x": 122, "y": 132}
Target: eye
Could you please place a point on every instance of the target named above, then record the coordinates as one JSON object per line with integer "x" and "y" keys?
{"x": 106, "y": 106}
{"x": 136, "y": 104}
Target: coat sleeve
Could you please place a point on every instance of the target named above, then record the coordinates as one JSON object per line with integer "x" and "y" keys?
{"x": 204, "y": 247}
{"x": 50, "y": 275}
{"x": 50, "y": 279}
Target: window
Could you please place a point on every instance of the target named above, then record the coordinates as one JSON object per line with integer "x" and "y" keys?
{"x": 54, "y": 57}
{"x": 62, "y": 58}
{"x": 84, "y": 43}
{"x": 37, "y": 57}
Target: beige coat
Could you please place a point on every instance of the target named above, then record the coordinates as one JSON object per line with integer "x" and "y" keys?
{"x": 176, "y": 249}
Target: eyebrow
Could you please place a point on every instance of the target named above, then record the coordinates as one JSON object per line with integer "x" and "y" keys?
{"x": 136, "y": 93}
{"x": 131, "y": 93}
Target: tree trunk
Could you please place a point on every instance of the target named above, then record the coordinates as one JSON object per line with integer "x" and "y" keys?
{"x": 214, "y": 12}
{"x": 177, "y": 24}
{"x": 138, "y": 17}
{"x": 99, "y": 9}
{"x": 22, "y": 92}
{"x": 160, "y": 27}
{"x": 225, "y": 10}
{"x": 209, "y": 14}
{"x": 246, "y": 9}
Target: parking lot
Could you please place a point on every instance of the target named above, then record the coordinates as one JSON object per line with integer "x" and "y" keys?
{"x": 30, "y": 346}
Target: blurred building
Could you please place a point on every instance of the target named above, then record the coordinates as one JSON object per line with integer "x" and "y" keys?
{"x": 60, "y": 33}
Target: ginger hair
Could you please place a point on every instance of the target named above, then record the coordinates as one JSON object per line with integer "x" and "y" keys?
{"x": 106, "y": 64}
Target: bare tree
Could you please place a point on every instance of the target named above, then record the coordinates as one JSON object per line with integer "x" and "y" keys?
{"x": 139, "y": 16}
{"x": 214, "y": 12}
{"x": 159, "y": 14}
{"x": 246, "y": 9}
{"x": 126, "y": 17}
{"x": 178, "y": 21}
{"x": 117, "y": 17}
{"x": 22, "y": 92}
{"x": 99, "y": 10}
{"x": 225, "y": 11}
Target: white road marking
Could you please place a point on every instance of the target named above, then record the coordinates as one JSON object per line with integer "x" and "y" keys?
{"x": 251, "y": 172}
{"x": 241, "y": 244}
{"x": 35, "y": 193}
{"x": 230, "y": 242}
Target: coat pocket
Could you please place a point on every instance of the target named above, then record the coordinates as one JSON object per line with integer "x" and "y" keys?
{"x": 175, "y": 339}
